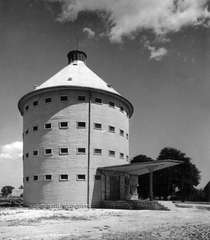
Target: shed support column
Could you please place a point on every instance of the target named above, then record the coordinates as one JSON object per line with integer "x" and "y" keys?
{"x": 151, "y": 183}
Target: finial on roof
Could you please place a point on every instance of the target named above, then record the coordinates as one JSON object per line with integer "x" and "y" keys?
{"x": 76, "y": 55}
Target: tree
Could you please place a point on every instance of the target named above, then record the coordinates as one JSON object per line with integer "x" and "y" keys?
{"x": 184, "y": 177}
{"x": 141, "y": 158}
{"x": 5, "y": 191}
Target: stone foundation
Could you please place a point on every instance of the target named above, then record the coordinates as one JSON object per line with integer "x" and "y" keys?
{"x": 60, "y": 206}
{"x": 134, "y": 204}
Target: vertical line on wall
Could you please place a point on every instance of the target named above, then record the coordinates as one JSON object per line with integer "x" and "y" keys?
{"x": 88, "y": 167}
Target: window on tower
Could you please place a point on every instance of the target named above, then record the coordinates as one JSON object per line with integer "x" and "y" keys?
{"x": 81, "y": 151}
{"x": 81, "y": 177}
{"x": 64, "y": 151}
{"x": 48, "y": 177}
{"x": 35, "y": 103}
{"x": 111, "y": 104}
{"x": 63, "y": 124}
{"x": 48, "y": 151}
{"x": 97, "y": 177}
{"x": 98, "y": 126}
{"x": 121, "y": 132}
{"x": 81, "y": 98}
{"x": 36, "y": 153}
{"x": 111, "y": 129}
{"x": 111, "y": 153}
{"x": 27, "y": 179}
{"x": 122, "y": 155}
{"x": 63, "y": 98}
{"x": 98, "y": 100}
{"x": 64, "y": 177}
{"x": 35, "y": 128}
{"x": 36, "y": 178}
{"x": 97, "y": 151}
{"x": 81, "y": 124}
{"x": 48, "y": 100}
{"x": 48, "y": 126}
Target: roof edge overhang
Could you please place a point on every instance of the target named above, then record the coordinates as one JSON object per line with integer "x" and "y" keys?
{"x": 29, "y": 95}
{"x": 143, "y": 168}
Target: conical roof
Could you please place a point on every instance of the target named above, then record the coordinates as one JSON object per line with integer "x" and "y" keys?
{"x": 77, "y": 74}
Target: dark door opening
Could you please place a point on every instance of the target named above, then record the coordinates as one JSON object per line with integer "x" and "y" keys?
{"x": 114, "y": 188}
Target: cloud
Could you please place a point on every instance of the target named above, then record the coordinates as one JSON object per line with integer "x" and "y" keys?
{"x": 126, "y": 18}
{"x": 89, "y": 32}
{"x": 12, "y": 150}
{"x": 157, "y": 54}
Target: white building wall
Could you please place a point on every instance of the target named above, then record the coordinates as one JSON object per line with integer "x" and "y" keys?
{"x": 71, "y": 191}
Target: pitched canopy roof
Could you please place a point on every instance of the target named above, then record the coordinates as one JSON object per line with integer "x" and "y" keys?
{"x": 144, "y": 167}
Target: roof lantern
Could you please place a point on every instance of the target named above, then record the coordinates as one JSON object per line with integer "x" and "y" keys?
{"x": 76, "y": 55}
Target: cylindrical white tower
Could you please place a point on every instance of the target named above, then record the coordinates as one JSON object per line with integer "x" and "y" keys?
{"x": 73, "y": 124}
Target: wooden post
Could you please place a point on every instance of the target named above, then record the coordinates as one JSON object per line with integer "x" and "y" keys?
{"x": 150, "y": 182}
{"x": 151, "y": 185}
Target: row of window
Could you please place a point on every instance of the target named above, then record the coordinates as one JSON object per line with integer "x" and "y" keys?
{"x": 79, "y": 125}
{"x": 62, "y": 177}
{"x": 80, "y": 151}
{"x": 82, "y": 98}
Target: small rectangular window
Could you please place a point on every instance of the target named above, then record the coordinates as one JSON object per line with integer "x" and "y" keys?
{"x": 63, "y": 124}
{"x": 121, "y": 132}
{"x": 121, "y": 109}
{"x": 27, "y": 107}
{"x": 111, "y": 129}
{"x": 111, "y": 153}
{"x": 81, "y": 98}
{"x": 48, "y": 177}
{"x": 97, "y": 177}
{"x": 36, "y": 178}
{"x": 35, "y": 103}
{"x": 64, "y": 151}
{"x": 81, "y": 177}
{"x": 98, "y": 126}
{"x": 122, "y": 155}
{"x": 48, "y": 126}
{"x": 48, "y": 151}
{"x": 63, "y": 98}
{"x": 111, "y": 104}
{"x": 98, "y": 100}
{"x": 26, "y": 131}
{"x": 127, "y": 158}
{"x": 81, "y": 151}
{"x": 81, "y": 124}
{"x": 27, "y": 155}
{"x": 48, "y": 100}
{"x": 97, "y": 151}
{"x": 35, "y": 153}
{"x": 27, "y": 179}
{"x": 64, "y": 177}
{"x": 35, "y": 128}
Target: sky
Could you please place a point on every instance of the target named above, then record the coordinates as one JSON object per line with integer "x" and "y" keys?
{"x": 155, "y": 53}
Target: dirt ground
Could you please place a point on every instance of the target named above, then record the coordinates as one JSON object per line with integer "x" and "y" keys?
{"x": 182, "y": 223}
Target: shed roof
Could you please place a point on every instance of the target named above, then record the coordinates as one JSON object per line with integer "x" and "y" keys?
{"x": 143, "y": 168}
